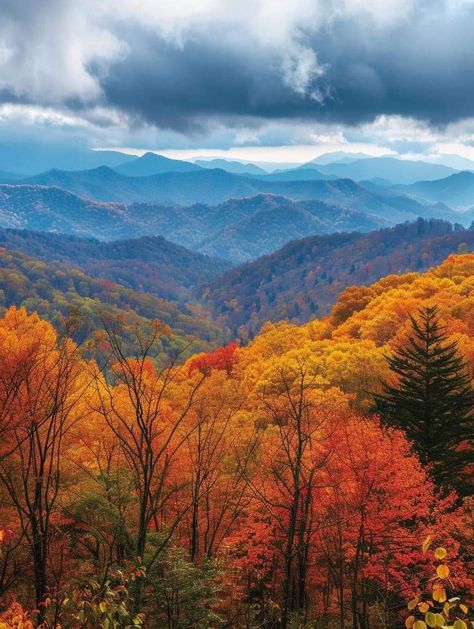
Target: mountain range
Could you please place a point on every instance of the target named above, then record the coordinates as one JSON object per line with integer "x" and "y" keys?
{"x": 457, "y": 190}
{"x": 212, "y": 187}
{"x": 236, "y": 230}
{"x": 390, "y": 169}
{"x": 153, "y": 164}
{"x": 27, "y": 158}
{"x": 231, "y": 166}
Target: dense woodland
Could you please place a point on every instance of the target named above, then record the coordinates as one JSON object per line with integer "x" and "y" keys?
{"x": 203, "y": 296}
{"x": 56, "y": 291}
{"x": 304, "y": 278}
{"x": 265, "y": 485}
{"x": 148, "y": 264}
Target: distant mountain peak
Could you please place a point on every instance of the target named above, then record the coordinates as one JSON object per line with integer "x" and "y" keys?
{"x": 341, "y": 157}
{"x": 154, "y": 164}
{"x": 232, "y": 166}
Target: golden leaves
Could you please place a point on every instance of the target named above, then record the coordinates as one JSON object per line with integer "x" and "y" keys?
{"x": 440, "y": 553}
{"x": 442, "y": 571}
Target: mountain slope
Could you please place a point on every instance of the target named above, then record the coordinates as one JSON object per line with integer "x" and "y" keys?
{"x": 456, "y": 190}
{"x": 216, "y": 186}
{"x": 264, "y": 223}
{"x": 398, "y": 171}
{"x": 200, "y": 227}
{"x": 305, "y": 277}
{"x": 237, "y": 229}
{"x": 48, "y": 208}
{"x": 151, "y": 263}
{"x": 231, "y": 166}
{"x": 55, "y": 291}
{"x": 153, "y": 164}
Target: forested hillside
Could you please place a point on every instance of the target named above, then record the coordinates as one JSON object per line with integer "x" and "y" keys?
{"x": 237, "y": 314}
{"x": 212, "y": 187}
{"x": 243, "y": 229}
{"x": 237, "y": 230}
{"x": 255, "y": 484}
{"x": 305, "y": 277}
{"x": 228, "y": 228}
{"x": 56, "y": 292}
{"x": 150, "y": 263}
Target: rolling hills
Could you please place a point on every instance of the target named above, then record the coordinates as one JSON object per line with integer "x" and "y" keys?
{"x": 237, "y": 229}
{"x": 147, "y": 264}
{"x": 304, "y": 278}
{"x": 226, "y": 230}
{"x": 258, "y": 225}
{"x": 457, "y": 190}
{"x": 212, "y": 187}
{"x": 55, "y": 290}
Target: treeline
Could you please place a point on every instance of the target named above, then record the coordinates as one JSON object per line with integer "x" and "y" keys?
{"x": 246, "y": 487}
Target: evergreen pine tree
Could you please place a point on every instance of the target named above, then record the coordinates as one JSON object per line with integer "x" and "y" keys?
{"x": 433, "y": 401}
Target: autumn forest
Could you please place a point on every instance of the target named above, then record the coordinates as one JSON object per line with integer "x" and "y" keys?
{"x": 290, "y": 481}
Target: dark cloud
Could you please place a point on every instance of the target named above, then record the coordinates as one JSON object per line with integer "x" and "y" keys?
{"x": 348, "y": 69}
{"x": 422, "y": 68}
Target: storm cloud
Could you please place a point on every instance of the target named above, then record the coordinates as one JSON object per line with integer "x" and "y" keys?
{"x": 178, "y": 66}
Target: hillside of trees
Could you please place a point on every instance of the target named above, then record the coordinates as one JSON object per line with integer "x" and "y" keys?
{"x": 305, "y": 278}
{"x": 226, "y": 229}
{"x": 216, "y": 186}
{"x": 263, "y": 486}
{"x": 150, "y": 264}
{"x": 57, "y": 292}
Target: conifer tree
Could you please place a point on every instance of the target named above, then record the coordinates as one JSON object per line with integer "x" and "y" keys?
{"x": 433, "y": 401}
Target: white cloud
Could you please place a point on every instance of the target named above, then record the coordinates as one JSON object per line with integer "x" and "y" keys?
{"x": 300, "y": 70}
{"x": 48, "y": 48}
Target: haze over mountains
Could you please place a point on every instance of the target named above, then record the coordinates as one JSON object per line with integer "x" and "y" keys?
{"x": 238, "y": 229}
{"x": 152, "y": 164}
{"x": 385, "y": 168}
{"x": 232, "y": 166}
{"x": 456, "y": 190}
{"x": 31, "y": 158}
{"x": 227, "y": 230}
{"x": 216, "y": 186}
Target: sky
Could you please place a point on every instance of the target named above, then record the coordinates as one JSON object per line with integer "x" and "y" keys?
{"x": 268, "y": 80}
